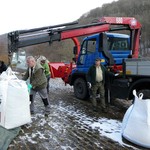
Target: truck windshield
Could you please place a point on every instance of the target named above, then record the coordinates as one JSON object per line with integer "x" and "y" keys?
{"x": 118, "y": 43}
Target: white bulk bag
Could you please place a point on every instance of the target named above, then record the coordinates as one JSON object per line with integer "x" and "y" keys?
{"x": 136, "y": 122}
{"x": 14, "y": 101}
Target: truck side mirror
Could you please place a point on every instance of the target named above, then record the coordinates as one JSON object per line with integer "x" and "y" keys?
{"x": 75, "y": 50}
{"x": 104, "y": 48}
{"x": 103, "y": 42}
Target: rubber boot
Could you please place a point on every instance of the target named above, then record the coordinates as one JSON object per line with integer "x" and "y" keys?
{"x": 45, "y": 101}
{"x": 47, "y": 107}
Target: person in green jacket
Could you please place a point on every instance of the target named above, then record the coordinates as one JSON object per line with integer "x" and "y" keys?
{"x": 46, "y": 70}
{"x": 35, "y": 74}
{"x": 96, "y": 80}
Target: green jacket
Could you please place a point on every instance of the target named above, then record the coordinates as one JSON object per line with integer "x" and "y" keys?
{"x": 91, "y": 75}
{"x": 38, "y": 79}
{"x": 46, "y": 69}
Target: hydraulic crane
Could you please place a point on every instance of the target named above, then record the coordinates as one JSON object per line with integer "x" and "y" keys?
{"x": 101, "y": 42}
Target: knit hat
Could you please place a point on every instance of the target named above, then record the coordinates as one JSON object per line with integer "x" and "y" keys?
{"x": 42, "y": 58}
{"x": 98, "y": 59}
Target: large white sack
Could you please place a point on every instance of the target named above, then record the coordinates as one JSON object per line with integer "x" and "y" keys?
{"x": 14, "y": 101}
{"x": 136, "y": 122}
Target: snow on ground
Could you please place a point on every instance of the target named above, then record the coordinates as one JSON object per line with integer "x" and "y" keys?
{"x": 107, "y": 127}
{"x": 58, "y": 84}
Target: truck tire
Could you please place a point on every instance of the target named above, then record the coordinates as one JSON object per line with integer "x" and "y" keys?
{"x": 80, "y": 89}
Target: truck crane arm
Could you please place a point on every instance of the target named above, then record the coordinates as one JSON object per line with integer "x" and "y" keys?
{"x": 23, "y": 38}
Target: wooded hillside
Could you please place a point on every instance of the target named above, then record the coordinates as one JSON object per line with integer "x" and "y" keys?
{"x": 140, "y": 9}
{"x": 62, "y": 51}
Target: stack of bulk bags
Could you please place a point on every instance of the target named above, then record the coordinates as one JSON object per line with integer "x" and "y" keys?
{"x": 14, "y": 101}
{"x": 136, "y": 122}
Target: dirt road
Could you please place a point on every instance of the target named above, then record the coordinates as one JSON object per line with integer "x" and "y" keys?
{"x": 72, "y": 125}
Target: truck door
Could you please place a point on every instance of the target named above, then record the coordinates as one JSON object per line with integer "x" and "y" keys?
{"x": 88, "y": 53}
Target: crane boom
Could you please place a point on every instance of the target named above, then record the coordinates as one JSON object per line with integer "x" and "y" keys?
{"x": 23, "y": 38}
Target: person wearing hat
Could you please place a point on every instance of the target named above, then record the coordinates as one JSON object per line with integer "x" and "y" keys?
{"x": 46, "y": 71}
{"x": 96, "y": 81}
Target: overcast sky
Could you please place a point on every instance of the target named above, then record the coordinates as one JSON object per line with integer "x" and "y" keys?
{"x": 27, "y": 14}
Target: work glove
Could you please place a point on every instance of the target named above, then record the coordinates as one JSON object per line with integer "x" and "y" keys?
{"x": 29, "y": 87}
{"x": 89, "y": 85}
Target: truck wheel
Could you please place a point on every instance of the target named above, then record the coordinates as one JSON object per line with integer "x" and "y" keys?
{"x": 80, "y": 88}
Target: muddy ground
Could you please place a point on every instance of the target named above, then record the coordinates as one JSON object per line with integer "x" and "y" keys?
{"x": 72, "y": 124}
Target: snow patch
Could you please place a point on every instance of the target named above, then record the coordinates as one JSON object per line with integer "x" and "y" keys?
{"x": 28, "y": 138}
{"x": 58, "y": 84}
{"x": 109, "y": 128}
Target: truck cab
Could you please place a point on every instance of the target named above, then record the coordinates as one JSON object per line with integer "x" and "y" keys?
{"x": 112, "y": 48}
{"x": 117, "y": 46}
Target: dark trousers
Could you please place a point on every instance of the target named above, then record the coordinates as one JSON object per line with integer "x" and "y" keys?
{"x": 48, "y": 79}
